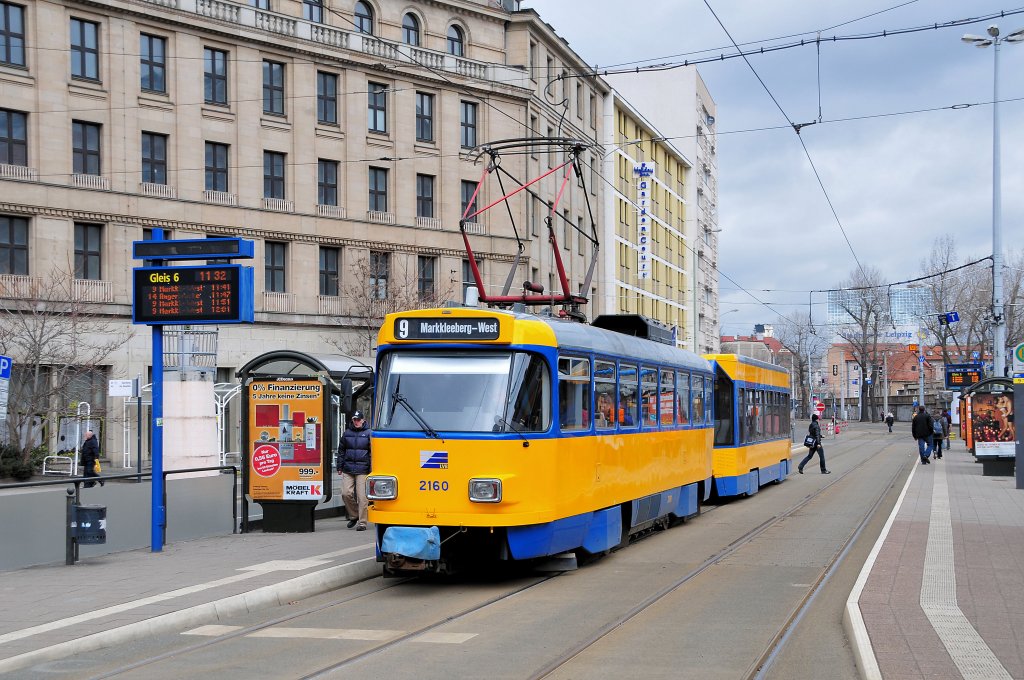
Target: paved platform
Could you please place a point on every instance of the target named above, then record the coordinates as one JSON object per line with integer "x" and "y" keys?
{"x": 51, "y": 612}
{"x": 942, "y": 594}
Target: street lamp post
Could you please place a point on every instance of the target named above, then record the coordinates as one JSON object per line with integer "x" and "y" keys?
{"x": 999, "y": 321}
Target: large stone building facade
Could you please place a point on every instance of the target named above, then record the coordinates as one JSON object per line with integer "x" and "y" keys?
{"x": 342, "y": 139}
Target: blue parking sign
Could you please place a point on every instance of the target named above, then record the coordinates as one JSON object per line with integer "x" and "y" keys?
{"x": 5, "y": 367}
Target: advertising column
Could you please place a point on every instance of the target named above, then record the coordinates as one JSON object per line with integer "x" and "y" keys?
{"x": 287, "y": 454}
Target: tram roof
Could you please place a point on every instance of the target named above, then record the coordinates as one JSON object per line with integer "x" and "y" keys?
{"x": 575, "y": 335}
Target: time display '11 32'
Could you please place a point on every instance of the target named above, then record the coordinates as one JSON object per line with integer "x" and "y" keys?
{"x": 193, "y": 294}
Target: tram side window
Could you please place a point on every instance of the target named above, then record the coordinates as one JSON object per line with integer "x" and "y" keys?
{"x": 683, "y": 397}
{"x": 777, "y": 414}
{"x": 628, "y": 413}
{"x": 667, "y": 398}
{"x": 724, "y": 411}
{"x": 604, "y": 389}
{"x": 697, "y": 388}
{"x": 709, "y": 397}
{"x": 530, "y": 395}
{"x": 649, "y": 396}
{"x": 750, "y": 417}
{"x": 741, "y": 410}
{"x": 574, "y": 393}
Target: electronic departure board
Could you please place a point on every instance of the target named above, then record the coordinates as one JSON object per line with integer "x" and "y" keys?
{"x": 959, "y": 376}
{"x": 193, "y": 295}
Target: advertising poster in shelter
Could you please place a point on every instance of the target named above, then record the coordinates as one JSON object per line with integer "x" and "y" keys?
{"x": 286, "y": 439}
{"x": 991, "y": 423}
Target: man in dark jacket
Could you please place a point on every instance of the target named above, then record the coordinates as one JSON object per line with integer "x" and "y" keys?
{"x": 814, "y": 430}
{"x": 921, "y": 427}
{"x": 354, "y": 464}
{"x": 89, "y": 453}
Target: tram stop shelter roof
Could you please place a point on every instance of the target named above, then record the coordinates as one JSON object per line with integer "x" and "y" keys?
{"x": 289, "y": 363}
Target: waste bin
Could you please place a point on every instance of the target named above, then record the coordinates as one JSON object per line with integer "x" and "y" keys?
{"x": 89, "y": 524}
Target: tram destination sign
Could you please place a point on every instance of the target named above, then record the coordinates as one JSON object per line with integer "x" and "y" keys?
{"x": 192, "y": 294}
{"x": 451, "y": 329}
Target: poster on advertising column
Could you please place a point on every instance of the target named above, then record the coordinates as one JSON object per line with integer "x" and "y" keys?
{"x": 991, "y": 425}
{"x": 286, "y": 439}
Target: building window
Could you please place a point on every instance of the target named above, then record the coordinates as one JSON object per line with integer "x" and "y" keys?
{"x": 326, "y": 98}
{"x": 378, "y": 189}
{"x": 456, "y": 41}
{"x": 377, "y": 107}
{"x": 467, "y": 277}
{"x": 313, "y": 10}
{"x": 411, "y": 30}
{"x": 215, "y": 76}
{"x": 425, "y": 266}
{"x": 424, "y": 117}
{"x": 153, "y": 63}
{"x": 424, "y": 195}
{"x": 12, "y": 34}
{"x": 13, "y": 245}
{"x": 154, "y": 158}
{"x": 85, "y": 49}
{"x": 327, "y": 182}
{"x": 273, "y": 87}
{"x": 88, "y": 251}
{"x": 329, "y": 276}
{"x": 216, "y": 167}
{"x": 552, "y": 151}
{"x": 85, "y": 148}
{"x": 532, "y": 60}
{"x": 468, "y": 193}
{"x": 260, "y": 4}
{"x": 87, "y": 384}
{"x": 468, "y": 121}
{"x": 13, "y": 138}
{"x": 273, "y": 174}
{"x": 364, "y": 18}
{"x": 579, "y": 100}
{"x": 379, "y": 266}
{"x": 593, "y": 110}
{"x": 274, "y": 259}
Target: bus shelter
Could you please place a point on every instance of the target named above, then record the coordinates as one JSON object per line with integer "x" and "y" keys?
{"x": 294, "y": 409}
{"x": 986, "y": 424}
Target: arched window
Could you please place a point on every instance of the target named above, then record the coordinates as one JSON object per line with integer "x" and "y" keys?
{"x": 364, "y": 18}
{"x": 411, "y": 30}
{"x": 456, "y": 42}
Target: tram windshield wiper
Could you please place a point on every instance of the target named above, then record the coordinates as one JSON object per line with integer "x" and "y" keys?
{"x": 399, "y": 398}
{"x": 501, "y": 420}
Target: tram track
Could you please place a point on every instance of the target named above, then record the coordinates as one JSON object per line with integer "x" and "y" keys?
{"x": 778, "y": 640}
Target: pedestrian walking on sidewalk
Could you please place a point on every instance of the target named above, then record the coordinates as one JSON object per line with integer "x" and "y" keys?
{"x": 814, "y": 431}
{"x": 354, "y": 463}
{"x": 90, "y": 456}
{"x": 938, "y": 432}
{"x": 923, "y": 430}
{"x": 889, "y": 420}
{"x": 947, "y": 425}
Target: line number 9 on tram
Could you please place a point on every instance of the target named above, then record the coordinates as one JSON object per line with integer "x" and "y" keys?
{"x": 402, "y": 329}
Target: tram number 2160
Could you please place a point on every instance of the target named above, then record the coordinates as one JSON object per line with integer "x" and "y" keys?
{"x": 433, "y": 485}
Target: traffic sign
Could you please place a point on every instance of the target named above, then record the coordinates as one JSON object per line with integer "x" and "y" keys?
{"x": 820, "y": 408}
{"x": 5, "y": 367}
{"x": 1018, "y": 358}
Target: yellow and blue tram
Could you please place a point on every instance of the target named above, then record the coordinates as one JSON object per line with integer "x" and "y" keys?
{"x": 752, "y": 424}
{"x": 500, "y": 435}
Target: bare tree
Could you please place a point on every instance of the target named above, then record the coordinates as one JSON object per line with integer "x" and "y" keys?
{"x": 862, "y": 298}
{"x": 950, "y": 291}
{"x": 381, "y": 283}
{"x": 54, "y": 335}
{"x": 796, "y": 333}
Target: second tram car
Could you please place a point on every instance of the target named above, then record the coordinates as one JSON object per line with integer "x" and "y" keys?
{"x": 507, "y": 436}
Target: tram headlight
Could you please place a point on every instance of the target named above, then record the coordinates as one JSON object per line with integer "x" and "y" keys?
{"x": 485, "y": 490}
{"x": 381, "y": 488}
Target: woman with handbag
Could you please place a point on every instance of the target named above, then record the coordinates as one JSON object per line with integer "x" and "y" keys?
{"x": 813, "y": 442}
{"x": 90, "y": 458}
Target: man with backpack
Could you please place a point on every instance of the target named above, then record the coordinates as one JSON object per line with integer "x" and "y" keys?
{"x": 938, "y": 432}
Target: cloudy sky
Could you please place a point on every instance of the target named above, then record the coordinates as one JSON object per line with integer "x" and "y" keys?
{"x": 896, "y": 181}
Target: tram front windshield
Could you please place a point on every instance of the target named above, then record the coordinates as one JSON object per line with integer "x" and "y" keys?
{"x": 463, "y": 392}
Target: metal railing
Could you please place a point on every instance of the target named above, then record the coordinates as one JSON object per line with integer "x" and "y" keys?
{"x": 71, "y": 553}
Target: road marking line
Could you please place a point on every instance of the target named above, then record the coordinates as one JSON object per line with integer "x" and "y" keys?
{"x": 328, "y": 633}
{"x": 445, "y": 638}
{"x": 212, "y": 630}
{"x": 968, "y": 649}
{"x": 162, "y": 597}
